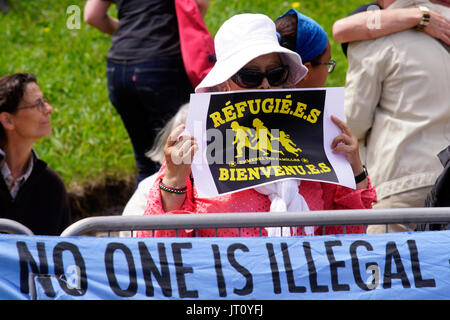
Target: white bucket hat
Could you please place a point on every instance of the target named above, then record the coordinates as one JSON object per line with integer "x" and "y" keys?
{"x": 243, "y": 38}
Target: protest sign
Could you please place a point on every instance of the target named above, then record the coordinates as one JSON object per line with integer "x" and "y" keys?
{"x": 383, "y": 266}
{"x": 254, "y": 137}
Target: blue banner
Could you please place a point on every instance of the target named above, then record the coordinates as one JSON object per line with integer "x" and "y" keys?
{"x": 385, "y": 266}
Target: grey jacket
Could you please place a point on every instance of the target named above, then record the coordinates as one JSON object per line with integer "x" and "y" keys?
{"x": 397, "y": 103}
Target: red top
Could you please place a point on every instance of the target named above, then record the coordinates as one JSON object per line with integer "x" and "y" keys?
{"x": 318, "y": 196}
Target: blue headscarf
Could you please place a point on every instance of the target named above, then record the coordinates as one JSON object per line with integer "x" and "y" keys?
{"x": 311, "y": 37}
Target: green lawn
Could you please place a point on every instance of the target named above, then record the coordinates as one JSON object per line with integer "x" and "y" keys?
{"x": 89, "y": 141}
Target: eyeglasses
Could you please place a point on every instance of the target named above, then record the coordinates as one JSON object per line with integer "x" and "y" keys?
{"x": 250, "y": 78}
{"x": 331, "y": 64}
{"x": 41, "y": 104}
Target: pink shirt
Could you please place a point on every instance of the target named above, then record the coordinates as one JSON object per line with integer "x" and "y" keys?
{"x": 318, "y": 196}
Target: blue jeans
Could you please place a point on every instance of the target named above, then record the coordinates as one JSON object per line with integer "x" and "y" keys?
{"x": 147, "y": 95}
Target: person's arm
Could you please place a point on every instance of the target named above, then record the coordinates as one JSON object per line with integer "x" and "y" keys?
{"x": 95, "y": 14}
{"x": 367, "y": 25}
{"x": 203, "y": 6}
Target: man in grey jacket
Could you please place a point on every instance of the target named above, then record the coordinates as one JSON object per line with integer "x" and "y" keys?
{"x": 397, "y": 102}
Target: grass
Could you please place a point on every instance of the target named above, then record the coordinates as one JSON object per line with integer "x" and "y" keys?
{"x": 89, "y": 141}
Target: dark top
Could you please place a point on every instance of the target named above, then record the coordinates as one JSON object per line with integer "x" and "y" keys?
{"x": 148, "y": 29}
{"x": 41, "y": 203}
{"x": 358, "y": 10}
{"x": 439, "y": 196}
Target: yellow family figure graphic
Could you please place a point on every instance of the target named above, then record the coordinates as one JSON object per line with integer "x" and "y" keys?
{"x": 263, "y": 138}
{"x": 242, "y": 139}
{"x": 288, "y": 144}
{"x": 260, "y": 139}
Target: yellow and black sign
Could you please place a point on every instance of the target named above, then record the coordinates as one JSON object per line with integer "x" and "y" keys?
{"x": 266, "y": 136}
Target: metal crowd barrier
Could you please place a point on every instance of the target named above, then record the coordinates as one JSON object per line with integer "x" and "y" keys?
{"x": 14, "y": 227}
{"x": 216, "y": 221}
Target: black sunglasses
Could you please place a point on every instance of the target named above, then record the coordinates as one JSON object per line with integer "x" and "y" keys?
{"x": 250, "y": 78}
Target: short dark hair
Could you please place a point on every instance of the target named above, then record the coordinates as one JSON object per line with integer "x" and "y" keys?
{"x": 287, "y": 28}
{"x": 12, "y": 89}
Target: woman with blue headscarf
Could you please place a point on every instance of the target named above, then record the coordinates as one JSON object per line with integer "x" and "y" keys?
{"x": 305, "y": 36}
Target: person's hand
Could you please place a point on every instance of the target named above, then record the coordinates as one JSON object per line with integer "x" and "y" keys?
{"x": 439, "y": 27}
{"x": 347, "y": 143}
{"x": 179, "y": 152}
{"x": 203, "y": 6}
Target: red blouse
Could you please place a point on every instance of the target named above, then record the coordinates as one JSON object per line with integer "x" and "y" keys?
{"x": 318, "y": 196}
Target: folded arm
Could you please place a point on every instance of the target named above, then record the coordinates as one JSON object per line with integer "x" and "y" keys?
{"x": 374, "y": 24}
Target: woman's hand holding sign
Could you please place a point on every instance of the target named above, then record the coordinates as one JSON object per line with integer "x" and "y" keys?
{"x": 179, "y": 152}
{"x": 347, "y": 143}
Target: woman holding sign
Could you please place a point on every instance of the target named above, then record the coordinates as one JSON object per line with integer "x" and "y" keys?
{"x": 250, "y": 57}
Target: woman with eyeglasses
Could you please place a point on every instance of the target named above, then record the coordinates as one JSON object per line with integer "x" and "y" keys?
{"x": 30, "y": 192}
{"x": 249, "y": 56}
{"x": 305, "y": 36}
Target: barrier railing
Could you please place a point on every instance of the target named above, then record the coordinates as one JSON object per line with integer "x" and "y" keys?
{"x": 403, "y": 216}
{"x": 14, "y": 227}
